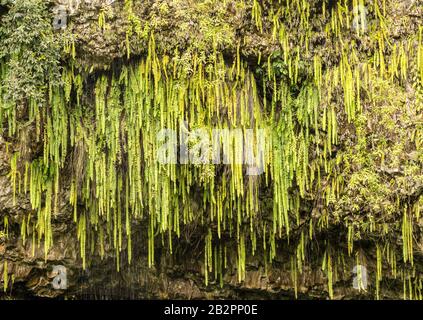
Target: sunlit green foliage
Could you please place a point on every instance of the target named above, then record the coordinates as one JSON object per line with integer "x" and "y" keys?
{"x": 31, "y": 50}
{"x": 331, "y": 118}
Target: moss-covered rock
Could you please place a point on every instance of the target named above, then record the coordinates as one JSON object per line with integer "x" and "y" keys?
{"x": 338, "y": 85}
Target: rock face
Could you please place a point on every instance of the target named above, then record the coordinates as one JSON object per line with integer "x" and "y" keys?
{"x": 360, "y": 209}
